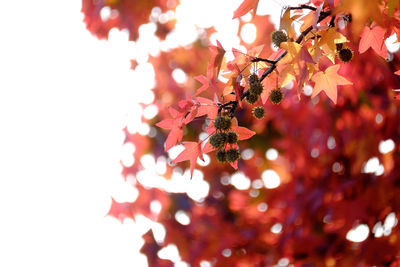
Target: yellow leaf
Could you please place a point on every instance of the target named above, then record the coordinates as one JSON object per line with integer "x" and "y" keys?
{"x": 286, "y": 24}
{"x": 293, "y": 50}
{"x": 329, "y": 39}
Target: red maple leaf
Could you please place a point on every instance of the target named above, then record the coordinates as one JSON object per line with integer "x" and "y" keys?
{"x": 374, "y": 38}
{"x": 176, "y": 126}
{"x": 207, "y": 107}
{"x": 214, "y": 66}
{"x": 192, "y": 152}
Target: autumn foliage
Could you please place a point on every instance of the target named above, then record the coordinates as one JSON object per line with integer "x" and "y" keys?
{"x": 319, "y": 94}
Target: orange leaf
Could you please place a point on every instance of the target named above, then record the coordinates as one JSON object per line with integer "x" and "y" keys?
{"x": 328, "y": 81}
{"x": 361, "y": 11}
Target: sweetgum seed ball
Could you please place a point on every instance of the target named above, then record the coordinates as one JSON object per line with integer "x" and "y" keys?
{"x": 232, "y": 155}
{"x": 253, "y": 78}
{"x": 222, "y": 123}
{"x": 251, "y": 99}
{"x": 345, "y": 54}
{"x": 218, "y": 140}
{"x": 258, "y": 112}
{"x": 278, "y": 37}
{"x": 256, "y": 88}
{"x": 232, "y": 137}
{"x": 221, "y": 155}
{"x": 276, "y": 96}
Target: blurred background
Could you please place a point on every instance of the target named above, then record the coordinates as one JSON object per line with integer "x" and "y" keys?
{"x": 76, "y": 92}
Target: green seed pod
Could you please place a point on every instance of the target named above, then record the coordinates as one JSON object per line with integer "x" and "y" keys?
{"x": 276, "y": 96}
{"x": 222, "y": 123}
{"x": 278, "y": 37}
{"x": 218, "y": 140}
{"x": 258, "y": 112}
{"x": 221, "y": 155}
{"x": 232, "y": 137}
{"x": 345, "y": 54}
{"x": 232, "y": 155}
{"x": 251, "y": 99}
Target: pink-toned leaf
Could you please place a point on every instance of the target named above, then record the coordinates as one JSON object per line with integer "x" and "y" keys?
{"x": 214, "y": 66}
{"x": 174, "y": 136}
{"x": 245, "y": 7}
{"x": 208, "y": 147}
{"x": 167, "y": 124}
{"x": 205, "y": 84}
{"x": 192, "y": 152}
{"x": 242, "y": 132}
{"x": 207, "y": 107}
{"x": 373, "y": 38}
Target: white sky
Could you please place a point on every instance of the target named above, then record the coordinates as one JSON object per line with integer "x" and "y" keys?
{"x": 62, "y": 100}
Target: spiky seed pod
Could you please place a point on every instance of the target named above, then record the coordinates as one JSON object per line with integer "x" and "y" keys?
{"x": 278, "y": 37}
{"x": 345, "y": 54}
{"x": 232, "y": 137}
{"x": 232, "y": 155}
{"x": 339, "y": 46}
{"x": 253, "y": 78}
{"x": 276, "y": 96}
{"x": 222, "y": 123}
{"x": 221, "y": 155}
{"x": 256, "y": 88}
{"x": 258, "y": 112}
{"x": 251, "y": 99}
{"x": 218, "y": 140}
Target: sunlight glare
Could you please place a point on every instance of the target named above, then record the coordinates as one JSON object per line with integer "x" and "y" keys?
{"x": 271, "y": 179}
{"x": 358, "y": 234}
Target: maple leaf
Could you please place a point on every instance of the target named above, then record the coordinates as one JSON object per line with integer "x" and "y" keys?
{"x": 242, "y": 132}
{"x": 328, "y": 81}
{"x": 192, "y": 152}
{"x": 269, "y": 83}
{"x": 299, "y": 56}
{"x": 329, "y": 39}
{"x": 176, "y": 126}
{"x": 286, "y": 23}
{"x": 205, "y": 84}
{"x": 207, "y": 107}
{"x": 311, "y": 19}
{"x": 360, "y": 11}
{"x": 293, "y": 50}
{"x": 373, "y": 37}
{"x": 245, "y": 7}
{"x": 214, "y": 66}
{"x": 121, "y": 211}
